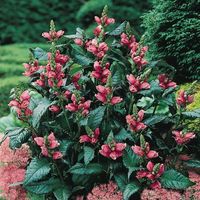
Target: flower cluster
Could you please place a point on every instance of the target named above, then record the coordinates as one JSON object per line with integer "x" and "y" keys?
{"x": 12, "y": 170}
{"x": 136, "y": 84}
{"x": 80, "y": 105}
{"x": 183, "y": 98}
{"x": 137, "y": 53}
{"x": 31, "y": 68}
{"x": 101, "y": 72}
{"x": 21, "y": 105}
{"x": 135, "y": 122}
{"x": 165, "y": 82}
{"x": 105, "y": 192}
{"x": 105, "y": 95}
{"x": 153, "y": 172}
{"x": 183, "y": 137}
{"x": 47, "y": 146}
{"x": 113, "y": 150}
{"x": 92, "y": 136}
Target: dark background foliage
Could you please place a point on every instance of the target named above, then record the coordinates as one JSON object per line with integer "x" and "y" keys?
{"x": 24, "y": 21}
{"x": 173, "y": 33}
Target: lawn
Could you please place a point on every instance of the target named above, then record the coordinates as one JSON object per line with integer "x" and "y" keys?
{"x": 12, "y": 58}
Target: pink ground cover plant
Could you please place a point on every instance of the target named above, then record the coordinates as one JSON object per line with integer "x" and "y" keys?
{"x": 99, "y": 117}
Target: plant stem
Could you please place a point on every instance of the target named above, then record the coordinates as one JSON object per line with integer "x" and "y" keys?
{"x": 131, "y": 105}
{"x": 59, "y": 173}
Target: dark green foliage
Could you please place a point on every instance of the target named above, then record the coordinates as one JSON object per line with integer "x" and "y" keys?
{"x": 24, "y": 21}
{"x": 173, "y": 33}
{"x": 129, "y": 10}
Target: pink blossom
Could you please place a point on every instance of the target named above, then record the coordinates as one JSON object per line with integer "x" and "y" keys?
{"x": 75, "y": 80}
{"x": 136, "y": 84}
{"x": 183, "y": 99}
{"x": 31, "y": 68}
{"x": 57, "y": 155}
{"x": 113, "y": 150}
{"x": 97, "y": 30}
{"x": 67, "y": 94}
{"x": 91, "y": 138}
{"x": 153, "y": 172}
{"x": 104, "y": 20}
{"x": 105, "y": 95}
{"x": 52, "y": 142}
{"x": 59, "y": 58}
{"x": 39, "y": 141}
{"x": 78, "y": 41}
{"x": 165, "y": 82}
{"x": 101, "y": 72}
{"x": 104, "y": 192}
{"x": 128, "y": 41}
{"x": 182, "y": 138}
{"x": 135, "y": 122}
{"x": 52, "y": 35}
{"x": 54, "y": 108}
{"x": 144, "y": 151}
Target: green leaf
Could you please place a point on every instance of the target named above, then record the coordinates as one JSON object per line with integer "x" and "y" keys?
{"x": 39, "y": 54}
{"x": 43, "y": 187}
{"x": 88, "y": 154}
{"x": 192, "y": 114}
{"x": 121, "y": 181}
{"x": 193, "y": 163}
{"x": 65, "y": 145}
{"x": 145, "y": 102}
{"x": 123, "y": 135}
{"x": 130, "y": 159}
{"x": 75, "y": 68}
{"x": 154, "y": 119}
{"x": 95, "y": 117}
{"x": 130, "y": 189}
{"x": 37, "y": 169}
{"x": 175, "y": 180}
{"x": 81, "y": 169}
{"x": 62, "y": 193}
{"x": 33, "y": 196}
{"x": 18, "y": 136}
{"x": 39, "y": 112}
{"x": 83, "y": 60}
{"x": 78, "y": 49}
{"x": 119, "y": 30}
{"x": 117, "y": 74}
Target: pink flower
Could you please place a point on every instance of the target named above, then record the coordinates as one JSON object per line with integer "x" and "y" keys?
{"x": 97, "y": 30}
{"x": 144, "y": 151}
{"x": 105, "y": 95}
{"x": 104, "y": 20}
{"x": 136, "y": 84}
{"x": 31, "y": 68}
{"x": 113, "y": 150}
{"x": 54, "y": 108}
{"x": 101, "y": 72}
{"x": 59, "y": 58}
{"x": 91, "y": 138}
{"x": 67, "y": 94}
{"x": 165, "y": 82}
{"x": 52, "y": 35}
{"x": 153, "y": 172}
{"x": 135, "y": 123}
{"x": 182, "y": 138}
{"x": 81, "y": 106}
{"x": 98, "y": 49}
{"x": 184, "y": 99}
{"x": 39, "y": 141}
{"x": 128, "y": 41}
{"x": 75, "y": 80}
{"x": 57, "y": 155}
{"x": 52, "y": 142}
{"x": 105, "y": 192}
{"x": 78, "y": 41}
{"x": 155, "y": 185}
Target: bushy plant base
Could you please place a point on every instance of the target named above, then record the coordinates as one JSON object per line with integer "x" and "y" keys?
{"x": 99, "y": 116}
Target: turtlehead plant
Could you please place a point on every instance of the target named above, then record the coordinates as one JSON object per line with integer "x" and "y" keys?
{"x": 97, "y": 112}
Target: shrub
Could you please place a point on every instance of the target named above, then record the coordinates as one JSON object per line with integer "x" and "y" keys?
{"x": 172, "y": 33}
{"x": 103, "y": 116}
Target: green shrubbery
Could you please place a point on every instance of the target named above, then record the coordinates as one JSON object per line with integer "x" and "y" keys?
{"x": 172, "y": 33}
{"x": 31, "y": 17}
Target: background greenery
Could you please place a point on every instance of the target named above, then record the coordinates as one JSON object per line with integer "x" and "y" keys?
{"x": 173, "y": 33}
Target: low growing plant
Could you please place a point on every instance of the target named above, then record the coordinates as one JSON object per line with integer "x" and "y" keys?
{"x": 102, "y": 115}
